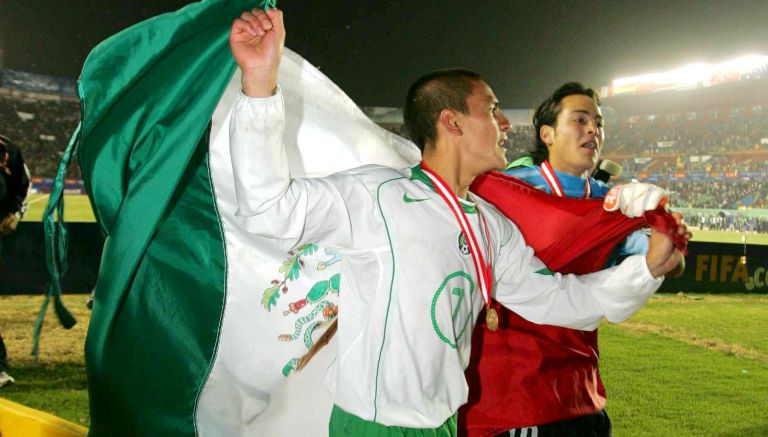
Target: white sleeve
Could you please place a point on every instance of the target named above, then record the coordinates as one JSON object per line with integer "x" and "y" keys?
{"x": 527, "y": 287}
{"x": 269, "y": 202}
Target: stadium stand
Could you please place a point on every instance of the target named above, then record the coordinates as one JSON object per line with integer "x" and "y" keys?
{"x": 707, "y": 145}
{"x": 42, "y": 125}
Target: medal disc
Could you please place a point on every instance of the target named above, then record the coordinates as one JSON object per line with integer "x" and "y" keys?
{"x": 491, "y": 319}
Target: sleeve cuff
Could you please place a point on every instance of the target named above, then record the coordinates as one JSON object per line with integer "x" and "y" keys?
{"x": 255, "y": 100}
{"x": 647, "y": 270}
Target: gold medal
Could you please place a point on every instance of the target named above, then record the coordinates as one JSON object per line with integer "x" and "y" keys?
{"x": 491, "y": 318}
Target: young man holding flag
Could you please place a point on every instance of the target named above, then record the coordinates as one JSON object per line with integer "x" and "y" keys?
{"x": 551, "y": 385}
{"x": 421, "y": 255}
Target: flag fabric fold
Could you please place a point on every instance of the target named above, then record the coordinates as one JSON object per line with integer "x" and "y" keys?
{"x": 196, "y": 324}
{"x": 143, "y": 161}
{"x": 56, "y": 245}
{"x": 523, "y": 374}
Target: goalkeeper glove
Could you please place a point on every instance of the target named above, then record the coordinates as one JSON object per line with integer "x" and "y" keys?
{"x": 633, "y": 200}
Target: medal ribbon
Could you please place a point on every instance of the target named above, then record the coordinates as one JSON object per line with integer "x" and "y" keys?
{"x": 482, "y": 268}
{"x": 554, "y": 183}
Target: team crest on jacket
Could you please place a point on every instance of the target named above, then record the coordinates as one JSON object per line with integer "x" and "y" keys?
{"x": 463, "y": 246}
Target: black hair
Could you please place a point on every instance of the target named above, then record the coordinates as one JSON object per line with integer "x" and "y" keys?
{"x": 429, "y": 95}
{"x": 546, "y": 115}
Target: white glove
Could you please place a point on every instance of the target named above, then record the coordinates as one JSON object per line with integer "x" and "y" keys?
{"x": 633, "y": 200}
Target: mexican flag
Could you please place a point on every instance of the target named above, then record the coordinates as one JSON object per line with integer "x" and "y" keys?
{"x": 197, "y": 325}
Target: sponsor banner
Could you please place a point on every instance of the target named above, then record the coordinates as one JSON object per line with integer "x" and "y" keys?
{"x": 696, "y": 176}
{"x": 71, "y": 186}
{"x": 701, "y": 158}
{"x": 722, "y": 268}
{"x": 754, "y": 174}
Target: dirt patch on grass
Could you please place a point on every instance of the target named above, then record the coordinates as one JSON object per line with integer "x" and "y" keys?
{"x": 57, "y": 345}
{"x": 695, "y": 340}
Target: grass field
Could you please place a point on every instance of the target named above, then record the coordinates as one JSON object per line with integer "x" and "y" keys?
{"x": 728, "y": 237}
{"x": 682, "y": 366}
{"x": 56, "y": 383}
{"x": 77, "y": 208}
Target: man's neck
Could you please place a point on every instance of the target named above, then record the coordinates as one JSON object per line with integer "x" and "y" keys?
{"x": 450, "y": 170}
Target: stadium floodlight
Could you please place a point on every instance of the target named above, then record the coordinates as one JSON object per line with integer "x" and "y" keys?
{"x": 698, "y": 73}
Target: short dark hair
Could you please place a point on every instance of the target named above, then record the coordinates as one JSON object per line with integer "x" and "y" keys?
{"x": 429, "y": 95}
{"x": 546, "y": 115}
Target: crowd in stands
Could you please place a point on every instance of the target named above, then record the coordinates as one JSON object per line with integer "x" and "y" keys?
{"x": 717, "y": 194}
{"x": 723, "y": 149}
{"x": 721, "y": 146}
{"x": 42, "y": 126}
{"x": 692, "y": 133}
{"x": 727, "y": 222}
{"x": 729, "y": 163}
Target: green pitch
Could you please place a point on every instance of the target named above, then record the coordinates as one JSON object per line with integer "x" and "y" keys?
{"x": 77, "y": 208}
{"x": 689, "y": 366}
{"x": 683, "y": 366}
{"x": 729, "y": 237}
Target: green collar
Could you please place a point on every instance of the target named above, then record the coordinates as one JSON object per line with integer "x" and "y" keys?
{"x": 523, "y": 161}
{"x": 417, "y": 174}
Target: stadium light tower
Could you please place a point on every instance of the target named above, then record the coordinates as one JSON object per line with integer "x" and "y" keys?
{"x": 689, "y": 76}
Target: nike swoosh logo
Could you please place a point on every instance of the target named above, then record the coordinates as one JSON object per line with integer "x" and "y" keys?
{"x": 407, "y": 199}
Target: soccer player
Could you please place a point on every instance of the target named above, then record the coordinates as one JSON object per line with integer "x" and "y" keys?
{"x": 557, "y": 389}
{"x": 421, "y": 255}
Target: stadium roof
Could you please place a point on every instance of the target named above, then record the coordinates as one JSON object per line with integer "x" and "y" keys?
{"x": 691, "y": 76}
{"x": 374, "y": 50}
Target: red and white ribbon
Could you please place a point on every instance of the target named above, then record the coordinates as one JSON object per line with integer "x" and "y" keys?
{"x": 482, "y": 268}
{"x": 554, "y": 183}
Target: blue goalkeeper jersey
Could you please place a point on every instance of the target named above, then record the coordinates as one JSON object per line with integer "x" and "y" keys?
{"x": 635, "y": 244}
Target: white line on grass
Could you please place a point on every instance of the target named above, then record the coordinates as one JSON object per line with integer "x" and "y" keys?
{"x": 43, "y": 197}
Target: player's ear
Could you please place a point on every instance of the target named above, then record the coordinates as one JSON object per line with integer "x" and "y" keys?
{"x": 449, "y": 120}
{"x": 547, "y": 134}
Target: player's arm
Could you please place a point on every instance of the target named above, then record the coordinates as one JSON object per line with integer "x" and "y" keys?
{"x": 527, "y": 287}
{"x": 269, "y": 202}
{"x": 257, "y": 39}
{"x": 679, "y": 268}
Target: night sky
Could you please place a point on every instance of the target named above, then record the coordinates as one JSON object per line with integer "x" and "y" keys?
{"x": 375, "y": 49}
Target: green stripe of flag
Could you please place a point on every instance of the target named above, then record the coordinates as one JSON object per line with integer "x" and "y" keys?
{"x": 147, "y": 96}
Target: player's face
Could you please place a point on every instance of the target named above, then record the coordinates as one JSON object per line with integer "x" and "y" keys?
{"x": 485, "y": 127}
{"x": 575, "y": 143}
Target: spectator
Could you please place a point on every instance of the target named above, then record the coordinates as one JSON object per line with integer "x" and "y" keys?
{"x": 14, "y": 184}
